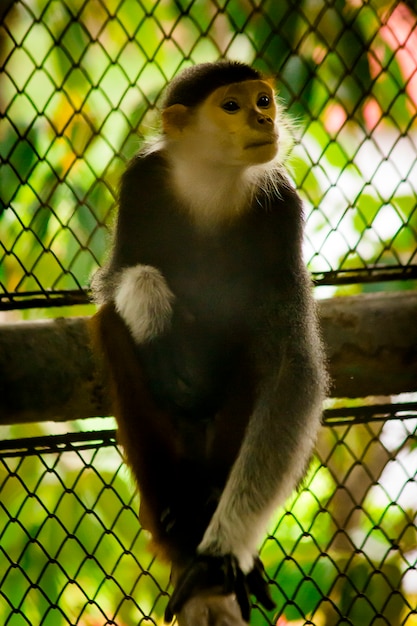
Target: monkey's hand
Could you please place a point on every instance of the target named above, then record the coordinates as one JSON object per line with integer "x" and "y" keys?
{"x": 206, "y": 572}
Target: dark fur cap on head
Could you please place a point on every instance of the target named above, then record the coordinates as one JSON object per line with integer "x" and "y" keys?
{"x": 195, "y": 83}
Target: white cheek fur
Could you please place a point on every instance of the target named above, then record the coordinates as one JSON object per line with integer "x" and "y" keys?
{"x": 217, "y": 185}
{"x": 144, "y": 301}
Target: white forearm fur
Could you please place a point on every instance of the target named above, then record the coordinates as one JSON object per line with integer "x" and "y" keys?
{"x": 144, "y": 301}
{"x": 277, "y": 447}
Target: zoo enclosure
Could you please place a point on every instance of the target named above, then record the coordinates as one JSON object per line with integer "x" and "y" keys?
{"x": 80, "y": 85}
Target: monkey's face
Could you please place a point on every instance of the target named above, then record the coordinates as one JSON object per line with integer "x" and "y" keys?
{"x": 237, "y": 123}
{"x": 234, "y": 126}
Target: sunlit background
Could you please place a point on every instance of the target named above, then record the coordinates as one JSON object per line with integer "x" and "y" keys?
{"x": 80, "y": 85}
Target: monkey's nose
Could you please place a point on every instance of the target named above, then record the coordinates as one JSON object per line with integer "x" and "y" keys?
{"x": 264, "y": 119}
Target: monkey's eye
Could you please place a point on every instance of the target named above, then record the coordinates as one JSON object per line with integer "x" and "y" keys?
{"x": 230, "y": 106}
{"x": 264, "y": 102}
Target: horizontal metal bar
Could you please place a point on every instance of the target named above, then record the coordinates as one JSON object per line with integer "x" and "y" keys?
{"x": 46, "y": 299}
{"x": 49, "y": 372}
{"x": 28, "y": 446}
{"x": 370, "y": 413}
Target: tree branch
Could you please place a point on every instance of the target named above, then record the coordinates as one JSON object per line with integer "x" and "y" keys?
{"x": 48, "y": 372}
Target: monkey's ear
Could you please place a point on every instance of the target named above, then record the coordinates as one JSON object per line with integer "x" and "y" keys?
{"x": 175, "y": 118}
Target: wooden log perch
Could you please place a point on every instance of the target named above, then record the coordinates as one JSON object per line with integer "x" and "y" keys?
{"x": 48, "y": 372}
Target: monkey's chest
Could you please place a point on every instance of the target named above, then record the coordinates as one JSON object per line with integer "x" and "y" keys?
{"x": 221, "y": 277}
{"x": 218, "y": 283}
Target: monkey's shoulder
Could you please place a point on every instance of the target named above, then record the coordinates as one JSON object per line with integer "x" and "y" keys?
{"x": 275, "y": 192}
{"x": 147, "y": 170}
{"x": 154, "y": 228}
{"x": 276, "y": 215}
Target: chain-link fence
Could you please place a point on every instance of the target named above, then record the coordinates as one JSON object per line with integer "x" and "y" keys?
{"x": 342, "y": 552}
{"x": 80, "y": 85}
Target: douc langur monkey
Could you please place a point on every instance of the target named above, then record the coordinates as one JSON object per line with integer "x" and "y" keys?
{"x": 208, "y": 328}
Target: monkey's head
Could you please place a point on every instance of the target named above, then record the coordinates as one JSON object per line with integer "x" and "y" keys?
{"x": 224, "y": 112}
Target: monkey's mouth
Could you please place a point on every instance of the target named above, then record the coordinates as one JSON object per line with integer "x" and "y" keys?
{"x": 261, "y": 144}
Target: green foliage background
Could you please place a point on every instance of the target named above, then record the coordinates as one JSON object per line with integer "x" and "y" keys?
{"x": 79, "y": 91}
{"x": 72, "y": 550}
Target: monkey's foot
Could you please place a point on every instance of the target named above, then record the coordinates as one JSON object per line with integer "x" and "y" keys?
{"x": 223, "y": 574}
{"x": 211, "y": 608}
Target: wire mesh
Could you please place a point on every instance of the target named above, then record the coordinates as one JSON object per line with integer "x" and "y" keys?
{"x": 80, "y": 84}
{"x": 342, "y": 551}
{"x": 72, "y": 549}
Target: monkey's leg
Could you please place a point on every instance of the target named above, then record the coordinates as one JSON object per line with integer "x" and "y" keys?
{"x": 276, "y": 448}
{"x": 178, "y": 493}
{"x": 146, "y": 433}
{"x": 214, "y": 591}
{"x": 168, "y": 457}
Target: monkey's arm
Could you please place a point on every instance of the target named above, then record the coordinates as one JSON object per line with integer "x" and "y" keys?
{"x": 281, "y": 433}
{"x": 279, "y": 439}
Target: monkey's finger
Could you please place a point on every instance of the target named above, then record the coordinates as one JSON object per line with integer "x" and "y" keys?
{"x": 230, "y": 569}
{"x": 242, "y": 595}
{"x": 188, "y": 583}
{"x": 258, "y": 585}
